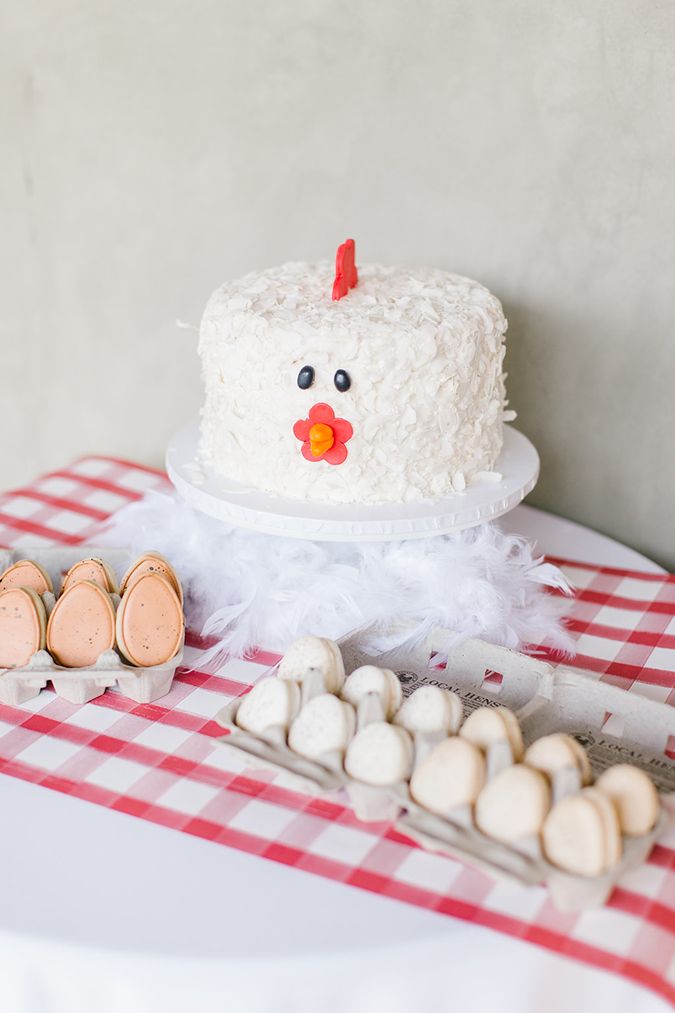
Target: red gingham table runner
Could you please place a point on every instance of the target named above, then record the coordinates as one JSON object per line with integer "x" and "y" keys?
{"x": 159, "y": 761}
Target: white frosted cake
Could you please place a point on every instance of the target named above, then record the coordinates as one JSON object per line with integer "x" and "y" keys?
{"x": 322, "y": 385}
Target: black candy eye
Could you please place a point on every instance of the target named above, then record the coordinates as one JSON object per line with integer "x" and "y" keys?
{"x": 306, "y": 377}
{"x": 342, "y": 380}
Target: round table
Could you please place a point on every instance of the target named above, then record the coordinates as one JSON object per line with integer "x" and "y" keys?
{"x": 103, "y": 911}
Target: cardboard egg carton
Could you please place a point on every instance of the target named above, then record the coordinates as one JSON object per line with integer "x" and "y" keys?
{"x": 79, "y": 685}
{"x": 614, "y": 727}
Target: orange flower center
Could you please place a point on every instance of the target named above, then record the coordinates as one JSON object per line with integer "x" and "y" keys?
{"x": 321, "y": 438}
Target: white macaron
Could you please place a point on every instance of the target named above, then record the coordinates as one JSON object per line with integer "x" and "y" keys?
{"x": 451, "y": 775}
{"x": 558, "y": 751}
{"x": 272, "y": 703}
{"x": 324, "y": 726}
{"x": 582, "y": 835}
{"x": 488, "y": 725}
{"x": 314, "y": 654}
{"x": 514, "y": 804}
{"x": 370, "y": 679}
{"x": 634, "y": 796}
{"x": 380, "y": 754}
{"x": 430, "y": 710}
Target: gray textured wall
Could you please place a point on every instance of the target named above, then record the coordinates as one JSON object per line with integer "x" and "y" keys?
{"x": 149, "y": 150}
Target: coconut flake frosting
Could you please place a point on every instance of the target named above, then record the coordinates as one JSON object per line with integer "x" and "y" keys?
{"x": 423, "y": 351}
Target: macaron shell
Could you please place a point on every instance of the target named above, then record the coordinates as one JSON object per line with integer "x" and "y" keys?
{"x": 380, "y": 754}
{"x": 310, "y": 653}
{"x": 432, "y": 710}
{"x": 26, "y": 573}
{"x": 455, "y": 711}
{"x": 94, "y": 570}
{"x": 22, "y": 626}
{"x": 395, "y": 690}
{"x": 324, "y": 725}
{"x": 580, "y": 836}
{"x": 513, "y": 731}
{"x": 271, "y": 703}
{"x": 151, "y": 562}
{"x": 451, "y": 775}
{"x": 610, "y": 825}
{"x": 551, "y": 753}
{"x": 150, "y": 623}
{"x": 583, "y": 761}
{"x": 514, "y": 804}
{"x": 371, "y": 679}
{"x": 558, "y": 751}
{"x": 338, "y": 664}
{"x": 81, "y": 625}
{"x": 487, "y": 725}
{"x": 634, "y": 796}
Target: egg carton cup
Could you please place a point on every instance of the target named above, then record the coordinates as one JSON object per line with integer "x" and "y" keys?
{"x": 372, "y": 803}
{"x": 80, "y": 685}
{"x": 271, "y": 751}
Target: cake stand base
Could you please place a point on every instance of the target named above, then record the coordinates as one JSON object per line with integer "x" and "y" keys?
{"x": 243, "y": 507}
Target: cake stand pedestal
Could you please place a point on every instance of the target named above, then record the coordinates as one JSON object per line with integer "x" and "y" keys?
{"x": 243, "y": 507}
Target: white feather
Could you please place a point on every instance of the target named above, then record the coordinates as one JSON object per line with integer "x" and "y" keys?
{"x": 248, "y": 589}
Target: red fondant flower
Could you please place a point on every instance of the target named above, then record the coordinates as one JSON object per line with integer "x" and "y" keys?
{"x": 323, "y": 435}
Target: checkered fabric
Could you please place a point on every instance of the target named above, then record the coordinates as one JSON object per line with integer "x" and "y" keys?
{"x": 160, "y": 762}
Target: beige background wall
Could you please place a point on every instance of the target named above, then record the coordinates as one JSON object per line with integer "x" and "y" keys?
{"x": 151, "y": 149}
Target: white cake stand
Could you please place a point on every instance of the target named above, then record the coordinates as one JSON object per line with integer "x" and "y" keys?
{"x": 244, "y": 507}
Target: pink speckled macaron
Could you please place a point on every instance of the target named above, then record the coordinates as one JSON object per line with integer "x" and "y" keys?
{"x": 26, "y": 573}
{"x": 151, "y": 562}
{"x": 81, "y": 625}
{"x": 150, "y": 622}
{"x": 23, "y": 622}
{"x": 93, "y": 569}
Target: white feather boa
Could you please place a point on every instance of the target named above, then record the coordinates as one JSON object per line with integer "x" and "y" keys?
{"x": 248, "y": 589}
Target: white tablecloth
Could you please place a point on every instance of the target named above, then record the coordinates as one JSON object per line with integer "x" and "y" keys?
{"x": 101, "y": 911}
